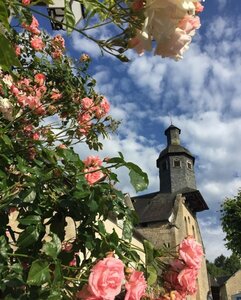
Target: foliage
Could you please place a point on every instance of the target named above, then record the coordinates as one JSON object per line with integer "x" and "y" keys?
{"x": 224, "y": 266}
{"x": 117, "y": 14}
{"x": 231, "y": 222}
{"x": 47, "y": 108}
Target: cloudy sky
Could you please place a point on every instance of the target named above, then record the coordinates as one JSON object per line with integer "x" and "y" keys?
{"x": 200, "y": 94}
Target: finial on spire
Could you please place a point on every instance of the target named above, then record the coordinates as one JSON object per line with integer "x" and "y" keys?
{"x": 170, "y": 116}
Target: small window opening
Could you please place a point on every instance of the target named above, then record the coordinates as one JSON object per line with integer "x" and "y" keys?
{"x": 189, "y": 165}
{"x": 177, "y": 163}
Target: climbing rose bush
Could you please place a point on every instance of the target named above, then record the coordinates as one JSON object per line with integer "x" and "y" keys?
{"x": 54, "y": 200}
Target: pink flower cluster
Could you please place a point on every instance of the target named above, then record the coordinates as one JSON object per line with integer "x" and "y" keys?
{"x": 36, "y": 41}
{"x": 170, "y": 23}
{"x": 58, "y": 46}
{"x": 91, "y": 110}
{"x": 181, "y": 276}
{"x": 92, "y": 169}
{"x": 106, "y": 281}
{"x": 29, "y": 93}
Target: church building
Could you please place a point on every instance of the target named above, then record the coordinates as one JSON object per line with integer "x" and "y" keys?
{"x": 169, "y": 215}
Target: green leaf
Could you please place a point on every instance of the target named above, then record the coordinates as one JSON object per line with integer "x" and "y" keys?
{"x": 151, "y": 275}
{"x": 149, "y": 254}
{"x": 4, "y": 248}
{"x": 68, "y": 16}
{"x": 29, "y": 196}
{"x": 30, "y": 220}
{"x": 28, "y": 236}
{"x": 127, "y": 230}
{"x": 8, "y": 57}
{"x": 139, "y": 179}
{"x": 53, "y": 247}
{"x": 4, "y": 14}
{"x": 39, "y": 273}
{"x": 7, "y": 141}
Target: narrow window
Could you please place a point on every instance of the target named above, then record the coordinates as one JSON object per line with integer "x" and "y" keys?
{"x": 177, "y": 163}
{"x": 193, "y": 232}
{"x": 186, "y": 226}
{"x": 189, "y": 165}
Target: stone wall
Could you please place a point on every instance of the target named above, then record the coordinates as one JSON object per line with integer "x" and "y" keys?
{"x": 231, "y": 287}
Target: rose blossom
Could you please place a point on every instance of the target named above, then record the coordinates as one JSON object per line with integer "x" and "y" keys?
{"x": 86, "y": 294}
{"x": 198, "y": 7}
{"x": 17, "y": 50}
{"x": 92, "y": 161}
{"x": 55, "y": 95}
{"x": 105, "y": 279}
{"x": 33, "y": 27}
{"x": 135, "y": 286}
{"x": 87, "y": 103}
{"x": 188, "y": 280}
{"x": 191, "y": 252}
{"x": 189, "y": 24}
{"x": 102, "y": 108}
{"x": 26, "y": 2}
{"x": 40, "y": 78}
{"x": 58, "y": 41}
{"x": 57, "y": 53}
{"x": 93, "y": 174}
{"x": 37, "y": 43}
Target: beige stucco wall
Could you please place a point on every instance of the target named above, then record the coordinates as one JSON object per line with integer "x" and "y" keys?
{"x": 181, "y": 223}
{"x": 231, "y": 287}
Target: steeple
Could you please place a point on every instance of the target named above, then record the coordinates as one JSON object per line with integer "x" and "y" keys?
{"x": 172, "y": 134}
{"x": 176, "y": 164}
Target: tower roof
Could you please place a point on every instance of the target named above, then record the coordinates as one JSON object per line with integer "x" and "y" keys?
{"x": 174, "y": 146}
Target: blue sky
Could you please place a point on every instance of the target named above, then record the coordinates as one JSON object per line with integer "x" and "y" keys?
{"x": 201, "y": 93}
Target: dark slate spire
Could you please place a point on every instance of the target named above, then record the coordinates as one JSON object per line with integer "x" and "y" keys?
{"x": 176, "y": 164}
{"x": 172, "y": 134}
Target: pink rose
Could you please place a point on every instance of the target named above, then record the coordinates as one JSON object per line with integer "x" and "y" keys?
{"x": 93, "y": 174}
{"x": 87, "y": 103}
{"x": 177, "y": 265}
{"x": 36, "y": 136}
{"x": 92, "y": 161}
{"x": 17, "y": 50}
{"x": 189, "y": 23}
{"x": 102, "y": 108}
{"x": 58, "y": 41}
{"x": 55, "y": 95}
{"x": 188, "y": 280}
{"x": 198, "y": 7}
{"x": 57, "y": 53}
{"x": 84, "y": 121}
{"x": 37, "y": 43}
{"x": 40, "y": 78}
{"x": 86, "y": 294}
{"x": 106, "y": 278}
{"x": 171, "y": 280}
{"x": 33, "y": 27}
{"x": 191, "y": 252}
{"x": 135, "y": 286}
{"x": 26, "y": 2}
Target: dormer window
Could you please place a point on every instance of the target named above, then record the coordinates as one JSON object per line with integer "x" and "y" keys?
{"x": 177, "y": 163}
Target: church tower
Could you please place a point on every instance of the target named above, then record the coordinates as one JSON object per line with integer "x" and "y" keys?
{"x": 176, "y": 164}
{"x": 169, "y": 215}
